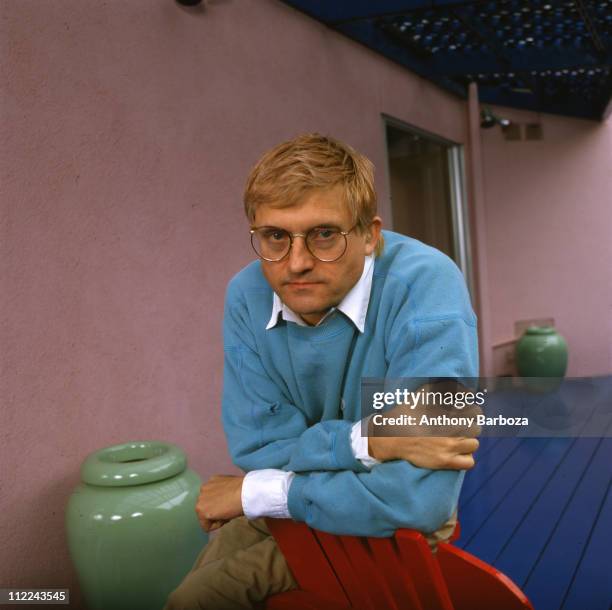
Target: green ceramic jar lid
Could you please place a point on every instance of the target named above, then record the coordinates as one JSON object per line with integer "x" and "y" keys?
{"x": 540, "y": 330}
{"x": 133, "y": 463}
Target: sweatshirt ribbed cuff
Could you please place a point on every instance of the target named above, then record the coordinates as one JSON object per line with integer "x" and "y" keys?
{"x": 296, "y": 502}
{"x": 359, "y": 443}
{"x": 343, "y": 450}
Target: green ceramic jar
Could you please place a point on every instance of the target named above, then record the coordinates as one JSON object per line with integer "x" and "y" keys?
{"x": 132, "y": 529}
{"x": 541, "y": 352}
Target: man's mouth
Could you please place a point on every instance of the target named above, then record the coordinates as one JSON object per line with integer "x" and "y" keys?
{"x": 300, "y": 284}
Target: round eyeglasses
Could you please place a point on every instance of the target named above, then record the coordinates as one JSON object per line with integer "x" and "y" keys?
{"x": 326, "y": 244}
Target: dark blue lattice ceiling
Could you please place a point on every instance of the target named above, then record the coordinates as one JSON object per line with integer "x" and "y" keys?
{"x": 545, "y": 55}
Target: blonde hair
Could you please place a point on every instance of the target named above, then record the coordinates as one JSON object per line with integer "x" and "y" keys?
{"x": 289, "y": 171}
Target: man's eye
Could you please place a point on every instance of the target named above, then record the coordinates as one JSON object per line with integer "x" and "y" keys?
{"x": 275, "y": 235}
{"x": 323, "y": 234}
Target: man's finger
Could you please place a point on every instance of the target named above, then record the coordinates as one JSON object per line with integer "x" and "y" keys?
{"x": 467, "y": 445}
{"x": 462, "y": 462}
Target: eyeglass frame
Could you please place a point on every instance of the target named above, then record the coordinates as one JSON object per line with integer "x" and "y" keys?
{"x": 304, "y": 235}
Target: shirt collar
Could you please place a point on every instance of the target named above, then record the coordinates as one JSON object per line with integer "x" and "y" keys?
{"x": 354, "y": 305}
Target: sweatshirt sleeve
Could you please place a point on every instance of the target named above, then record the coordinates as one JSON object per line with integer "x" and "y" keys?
{"x": 392, "y": 495}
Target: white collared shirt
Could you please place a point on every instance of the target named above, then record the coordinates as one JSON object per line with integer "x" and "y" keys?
{"x": 265, "y": 492}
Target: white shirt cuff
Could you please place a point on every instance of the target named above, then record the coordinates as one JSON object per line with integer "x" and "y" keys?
{"x": 264, "y": 493}
{"x": 359, "y": 444}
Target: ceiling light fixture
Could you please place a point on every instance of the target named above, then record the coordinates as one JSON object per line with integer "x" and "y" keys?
{"x": 488, "y": 119}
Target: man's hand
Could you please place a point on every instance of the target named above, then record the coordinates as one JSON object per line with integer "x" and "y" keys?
{"x": 436, "y": 447}
{"x": 433, "y": 452}
{"x": 220, "y": 500}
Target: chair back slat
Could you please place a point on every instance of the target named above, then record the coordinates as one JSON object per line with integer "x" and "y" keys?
{"x": 398, "y": 576}
{"x": 418, "y": 560}
{"x": 489, "y": 588}
{"x": 359, "y": 573}
{"x": 309, "y": 565}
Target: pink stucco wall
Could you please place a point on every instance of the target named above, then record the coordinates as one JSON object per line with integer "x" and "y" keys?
{"x": 127, "y": 132}
{"x": 548, "y": 207}
{"x": 128, "y": 129}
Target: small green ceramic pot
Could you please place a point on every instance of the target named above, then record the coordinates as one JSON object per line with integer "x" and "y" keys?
{"x": 541, "y": 352}
{"x": 132, "y": 529}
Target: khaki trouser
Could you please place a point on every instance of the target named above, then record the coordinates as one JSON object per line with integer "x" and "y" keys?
{"x": 238, "y": 569}
{"x": 242, "y": 566}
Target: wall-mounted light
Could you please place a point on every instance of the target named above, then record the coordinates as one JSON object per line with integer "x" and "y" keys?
{"x": 488, "y": 119}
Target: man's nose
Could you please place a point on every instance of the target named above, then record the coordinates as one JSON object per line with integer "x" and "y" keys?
{"x": 300, "y": 258}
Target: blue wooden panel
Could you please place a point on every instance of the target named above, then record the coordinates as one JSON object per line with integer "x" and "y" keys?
{"x": 479, "y": 507}
{"x": 591, "y": 587}
{"x": 553, "y": 573}
{"x": 488, "y": 460}
{"x": 540, "y": 510}
{"x": 500, "y": 525}
{"x": 521, "y": 553}
{"x": 481, "y": 472}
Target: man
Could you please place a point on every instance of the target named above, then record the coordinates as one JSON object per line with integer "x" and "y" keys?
{"x": 326, "y": 304}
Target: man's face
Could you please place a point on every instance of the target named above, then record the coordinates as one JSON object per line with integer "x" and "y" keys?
{"x": 306, "y": 285}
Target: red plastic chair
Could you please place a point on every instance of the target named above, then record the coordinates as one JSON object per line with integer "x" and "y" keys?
{"x": 399, "y": 573}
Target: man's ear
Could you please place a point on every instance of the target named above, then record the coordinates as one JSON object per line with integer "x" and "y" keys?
{"x": 372, "y": 234}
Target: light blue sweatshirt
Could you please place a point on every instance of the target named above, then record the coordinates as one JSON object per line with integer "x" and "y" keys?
{"x": 282, "y": 386}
